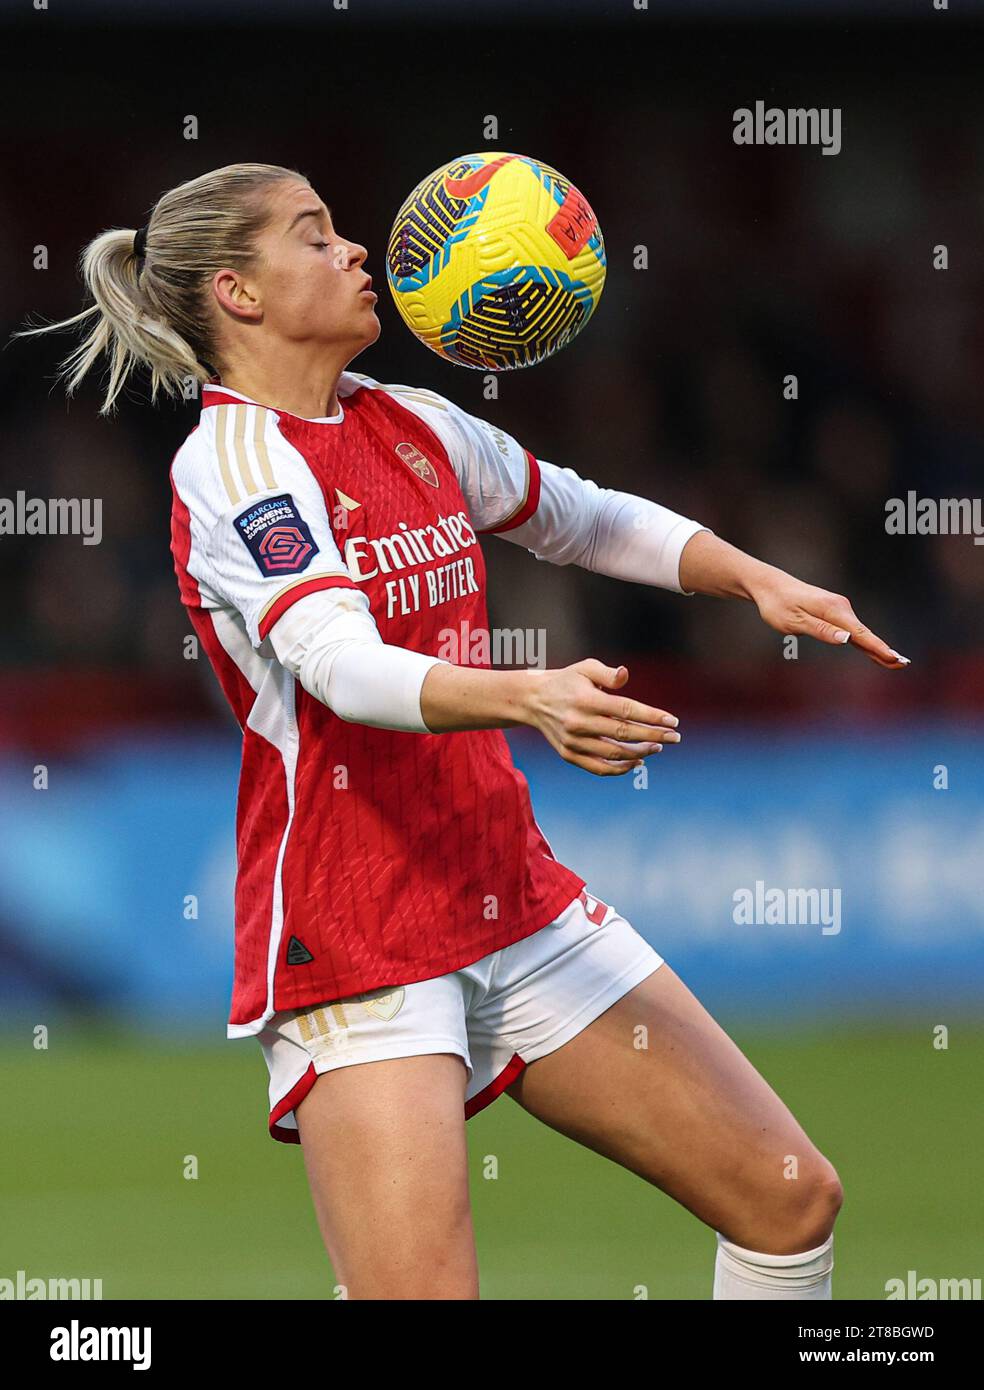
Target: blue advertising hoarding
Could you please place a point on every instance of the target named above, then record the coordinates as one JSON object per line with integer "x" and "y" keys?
{"x": 786, "y": 875}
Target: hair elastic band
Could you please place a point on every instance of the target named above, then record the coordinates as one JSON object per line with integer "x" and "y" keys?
{"x": 140, "y": 242}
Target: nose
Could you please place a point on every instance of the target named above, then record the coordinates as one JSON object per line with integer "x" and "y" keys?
{"x": 356, "y": 254}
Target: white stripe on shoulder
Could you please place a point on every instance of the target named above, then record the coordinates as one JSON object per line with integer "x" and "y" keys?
{"x": 243, "y": 451}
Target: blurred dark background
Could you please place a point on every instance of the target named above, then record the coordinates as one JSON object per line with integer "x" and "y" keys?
{"x": 762, "y": 262}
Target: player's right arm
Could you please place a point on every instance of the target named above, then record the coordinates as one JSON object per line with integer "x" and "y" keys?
{"x": 573, "y": 708}
{"x": 367, "y": 682}
{"x": 262, "y": 544}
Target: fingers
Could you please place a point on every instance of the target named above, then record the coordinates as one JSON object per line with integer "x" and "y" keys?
{"x": 609, "y": 735}
{"x": 611, "y": 677}
{"x": 625, "y": 721}
{"x": 627, "y": 731}
{"x": 873, "y": 646}
{"x": 842, "y": 625}
{"x": 613, "y": 750}
{"x": 607, "y": 757}
{"x": 635, "y": 722}
{"x": 601, "y": 767}
{"x": 824, "y": 631}
{"x": 632, "y": 711}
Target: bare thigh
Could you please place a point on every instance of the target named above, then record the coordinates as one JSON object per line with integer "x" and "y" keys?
{"x": 386, "y": 1158}
{"x": 688, "y": 1112}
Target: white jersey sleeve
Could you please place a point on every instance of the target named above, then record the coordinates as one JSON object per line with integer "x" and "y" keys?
{"x": 260, "y": 533}
{"x": 552, "y": 511}
{"x": 261, "y": 542}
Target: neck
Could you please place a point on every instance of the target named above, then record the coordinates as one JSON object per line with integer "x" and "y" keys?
{"x": 306, "y": 388}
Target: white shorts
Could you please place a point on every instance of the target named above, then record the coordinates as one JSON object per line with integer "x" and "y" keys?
{"x": 506, "y": 1010}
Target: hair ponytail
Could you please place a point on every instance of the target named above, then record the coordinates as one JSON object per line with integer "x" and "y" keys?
{"x": 155, "y": 311}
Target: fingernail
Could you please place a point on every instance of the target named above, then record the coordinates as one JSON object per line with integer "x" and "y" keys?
{"x": 842, "y": 636}
{"x": 672, "y": 738}
{"x": 904, "y": 659}
{"x": 670, "y": 720}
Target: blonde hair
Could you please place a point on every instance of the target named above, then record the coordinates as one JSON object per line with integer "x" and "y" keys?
{"x": 158, "y": 314}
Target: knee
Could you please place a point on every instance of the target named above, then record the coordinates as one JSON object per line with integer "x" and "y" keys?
{"x": 798, "y": 1215}
{"x": 817, "y": 1197}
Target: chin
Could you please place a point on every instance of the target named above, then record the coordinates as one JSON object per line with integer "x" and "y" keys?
{"x": 365, "y": 339}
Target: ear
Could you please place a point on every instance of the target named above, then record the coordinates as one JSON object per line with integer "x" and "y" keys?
{"x": 235, "y": 295}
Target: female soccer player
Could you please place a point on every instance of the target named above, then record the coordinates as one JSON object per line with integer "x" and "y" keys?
{"x": 407, "y": 946}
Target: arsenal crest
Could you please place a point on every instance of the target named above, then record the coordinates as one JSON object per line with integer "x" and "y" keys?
{"x": 420, "y": 464}
{"x": 383, "y": 1003}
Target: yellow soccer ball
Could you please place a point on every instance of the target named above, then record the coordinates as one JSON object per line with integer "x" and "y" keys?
{"x": 496, "y": 261}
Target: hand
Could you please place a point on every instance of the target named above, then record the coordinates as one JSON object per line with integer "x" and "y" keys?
{"x": 790, "y": 606}
{"x": 608, "y": 735}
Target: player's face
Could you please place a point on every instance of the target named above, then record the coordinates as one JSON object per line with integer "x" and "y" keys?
{"x": 313, "y": 283}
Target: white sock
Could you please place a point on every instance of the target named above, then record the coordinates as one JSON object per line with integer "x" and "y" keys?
{"x": 740, "y": 1273}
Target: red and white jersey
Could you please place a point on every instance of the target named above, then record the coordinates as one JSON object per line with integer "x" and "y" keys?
{"x": 366, "y": 856}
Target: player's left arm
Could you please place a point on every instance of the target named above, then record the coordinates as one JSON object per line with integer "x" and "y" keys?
{"x": 566, "y": 519}
{"x": 709, "y": 565}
